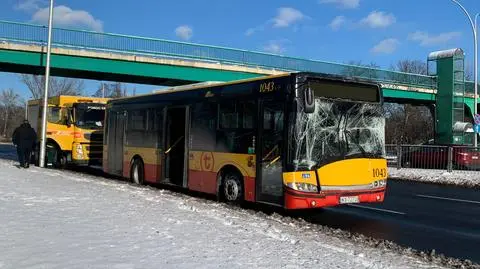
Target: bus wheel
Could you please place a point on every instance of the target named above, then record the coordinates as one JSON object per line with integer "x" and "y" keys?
{"x": 232, "y": 187}
{"x": 137, "y": 172}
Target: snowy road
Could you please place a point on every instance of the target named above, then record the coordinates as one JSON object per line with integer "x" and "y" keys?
{"x": 61, "y": 219}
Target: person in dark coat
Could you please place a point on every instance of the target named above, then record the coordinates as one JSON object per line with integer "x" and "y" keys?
{"x": 24, "y": 138}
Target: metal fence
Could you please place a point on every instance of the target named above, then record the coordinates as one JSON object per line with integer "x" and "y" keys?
{"x": 88, "y": 40}
{"x": 449, "y": 158}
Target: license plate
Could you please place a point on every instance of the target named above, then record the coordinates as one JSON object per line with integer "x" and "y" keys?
{"x": 349, "y": 200}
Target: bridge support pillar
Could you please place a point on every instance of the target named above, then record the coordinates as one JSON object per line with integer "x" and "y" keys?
{"x": 450, "y": 125}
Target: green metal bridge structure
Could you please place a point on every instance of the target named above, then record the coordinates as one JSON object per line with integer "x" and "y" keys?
{"x": 133, "y": 59}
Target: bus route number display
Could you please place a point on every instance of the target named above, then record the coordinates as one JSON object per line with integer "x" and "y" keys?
{"x": 267, "y": 87}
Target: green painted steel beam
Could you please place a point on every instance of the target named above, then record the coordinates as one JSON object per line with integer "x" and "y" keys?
{"x": 117, "y": 70}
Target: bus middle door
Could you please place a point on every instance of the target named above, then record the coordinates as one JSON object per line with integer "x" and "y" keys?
{"x": 269, "y": 182}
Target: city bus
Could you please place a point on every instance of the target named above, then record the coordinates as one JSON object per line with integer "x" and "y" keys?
{"x": 74, "y": 129}
{"x": 296, "y": 140}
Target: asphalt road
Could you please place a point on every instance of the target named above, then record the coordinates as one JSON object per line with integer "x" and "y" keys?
{"x": 417, "y": 215}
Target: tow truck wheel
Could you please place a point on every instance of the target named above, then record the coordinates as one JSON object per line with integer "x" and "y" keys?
{"x": 55, "y": 156}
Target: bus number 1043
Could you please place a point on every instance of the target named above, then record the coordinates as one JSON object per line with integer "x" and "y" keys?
{"x": 379, "y": 172}
{"x": 267, "y": 87}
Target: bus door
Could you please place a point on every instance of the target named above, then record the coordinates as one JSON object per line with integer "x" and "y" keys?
{"x": 270, "y": 143}
{"x": 176, "y": 145}
{"x": 116, "y": 134}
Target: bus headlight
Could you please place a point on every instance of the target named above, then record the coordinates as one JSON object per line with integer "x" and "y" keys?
{"x": 378, "y": 183}
{"x": 305, "y": 187}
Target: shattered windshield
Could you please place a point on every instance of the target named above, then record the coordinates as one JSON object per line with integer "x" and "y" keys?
{"x": 338, "y": 129}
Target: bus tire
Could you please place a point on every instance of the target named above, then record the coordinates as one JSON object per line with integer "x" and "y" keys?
{"x": 232, "y": 187}
{"x": 137, "y": 172}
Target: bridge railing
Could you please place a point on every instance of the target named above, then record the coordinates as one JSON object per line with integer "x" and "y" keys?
{"x": 470, "y": 87}
{"x": 88, "y": 40}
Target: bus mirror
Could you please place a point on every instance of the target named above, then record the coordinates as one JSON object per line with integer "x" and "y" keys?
{"x": 309, "y": 101}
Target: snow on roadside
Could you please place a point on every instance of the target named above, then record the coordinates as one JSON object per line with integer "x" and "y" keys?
{"x": 469, "y": 179}
{"x": 62, "y": 219}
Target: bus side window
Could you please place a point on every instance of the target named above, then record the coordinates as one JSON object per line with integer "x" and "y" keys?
{"x": 236, "y": 126}
{"x": 203, "y": 126}
{"x": 137, "y": 134}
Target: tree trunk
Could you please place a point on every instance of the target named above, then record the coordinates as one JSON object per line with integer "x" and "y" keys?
{"x": 6, "y": 122}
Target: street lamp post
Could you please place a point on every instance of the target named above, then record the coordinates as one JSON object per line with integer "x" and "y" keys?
{"x": 475, "y": 68}
{"x": 43, "y": 142}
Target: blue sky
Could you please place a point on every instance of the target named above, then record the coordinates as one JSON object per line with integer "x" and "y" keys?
{"x": 377, "y": 31}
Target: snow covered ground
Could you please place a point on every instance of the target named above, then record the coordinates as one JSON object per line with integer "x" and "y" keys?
{"x": 61, "y": 219}
{"x": 460, "y": 178}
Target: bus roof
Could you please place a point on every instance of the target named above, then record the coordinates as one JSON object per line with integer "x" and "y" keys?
{"x": 62, "y": 100}
{"x": 196, "y": 86}
{"x": 184, "y": 91}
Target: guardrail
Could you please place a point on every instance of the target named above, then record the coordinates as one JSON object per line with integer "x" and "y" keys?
{"x": 449, "y": 158}
{"x": 97, "y": 41}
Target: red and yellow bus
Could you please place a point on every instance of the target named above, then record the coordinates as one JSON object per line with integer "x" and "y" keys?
{"x": 297, "y": 140}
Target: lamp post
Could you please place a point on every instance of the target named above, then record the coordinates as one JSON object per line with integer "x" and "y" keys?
{"x": 475, "y": 69}
{"x": 43, "y": 142}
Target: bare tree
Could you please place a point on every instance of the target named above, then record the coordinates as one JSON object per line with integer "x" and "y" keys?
{"x": 58, "y": 86}
{"x": 111, "y": 90}
{"x": 8, "y": 99}
{"x": 468, "y": 73}
{"x": 411, "y": 66}
{"x": 360, "y": 69}
{"x": 408, "y": 124}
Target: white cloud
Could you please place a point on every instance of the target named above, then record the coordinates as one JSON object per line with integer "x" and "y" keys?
{"x": 378, "y": 19}
{"x": 386, "y": 46}
{"x": 425, "y": 39}
{"x": 184, "y": 32}
{"x": 250, "y": 31}
{"x": 29, "y": 5}
{"x": 287, "y": 16}
{"x": 274, "y": 47}
{"x": 337, "y": 22}
{"x": 67, "y": 17}
{"x": 342, "y": 3}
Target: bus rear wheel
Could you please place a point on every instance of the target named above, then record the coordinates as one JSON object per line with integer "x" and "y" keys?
{"x": 232, "y": 188}
{"x": 137, "y": 172}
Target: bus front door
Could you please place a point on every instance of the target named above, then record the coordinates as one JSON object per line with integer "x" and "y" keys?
{"x": 269, "y": 182}
{"x": 176, "y": 149}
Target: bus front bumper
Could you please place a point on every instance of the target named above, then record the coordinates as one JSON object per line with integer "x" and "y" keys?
{"x": 301, "y": 200}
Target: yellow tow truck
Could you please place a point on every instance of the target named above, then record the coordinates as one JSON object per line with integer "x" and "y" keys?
{"x": 74, "y": 129}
